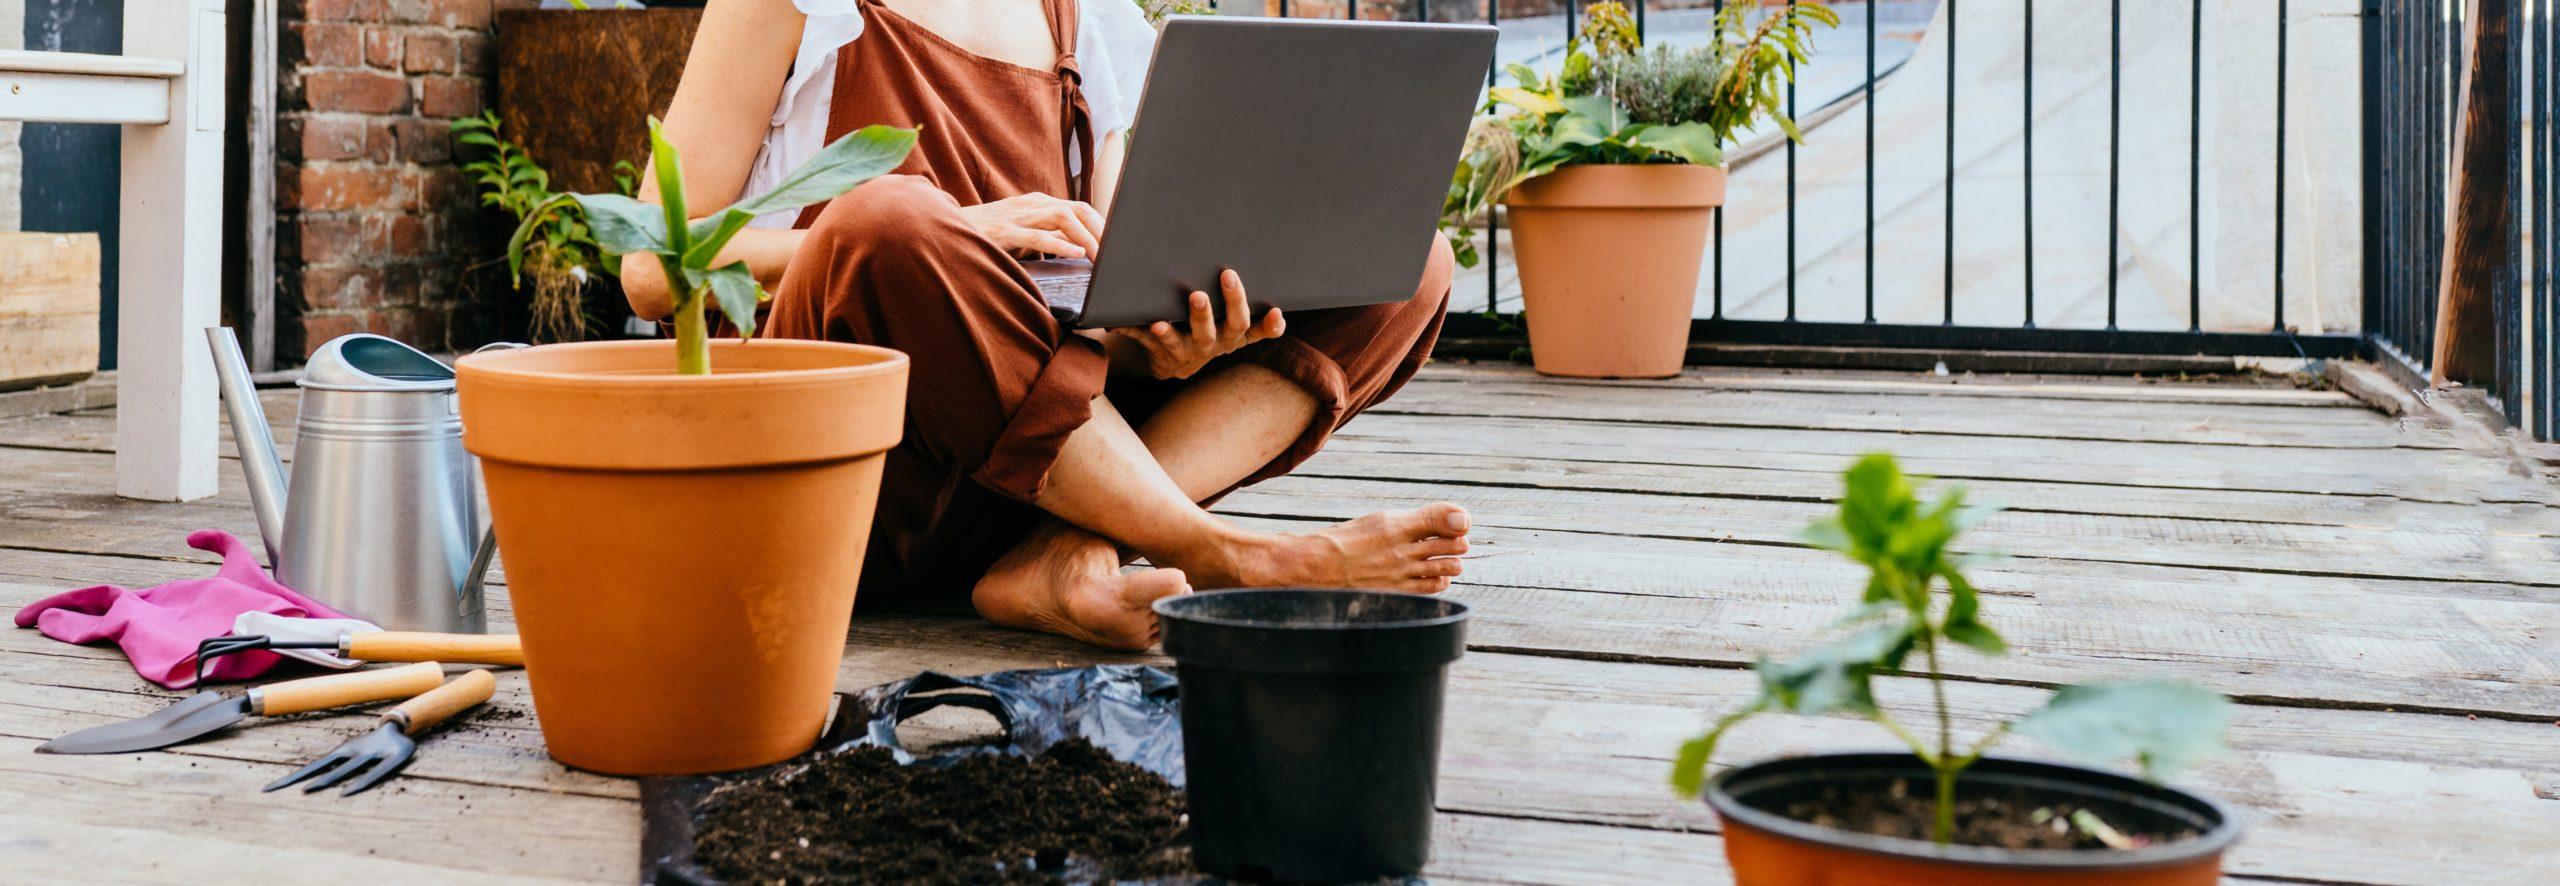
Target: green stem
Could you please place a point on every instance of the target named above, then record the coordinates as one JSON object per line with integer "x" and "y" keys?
{"x": 1917, "y": 748}
{"x": 693, "y": 337}
{"x": 1942, "y": 827}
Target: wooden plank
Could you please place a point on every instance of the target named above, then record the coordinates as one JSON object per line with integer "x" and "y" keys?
{"x": 2481, "y": 226}
{"x": 170, "y": 266}
{"x": 2091, "y": 498}
{"x": 2414, "y": 474}
{"x": 2218, "y": 425}
{"x": 2270, "y": 391}
{"x": 48, "y": 309}
{"x": 2495, "y": 554}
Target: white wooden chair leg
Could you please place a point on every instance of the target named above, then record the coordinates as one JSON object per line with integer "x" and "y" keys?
{"x": 171, "y": 267}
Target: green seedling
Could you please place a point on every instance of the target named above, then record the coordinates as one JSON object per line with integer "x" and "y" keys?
{"x": 2165, "y": 726}
{"x": 686, "y": 247}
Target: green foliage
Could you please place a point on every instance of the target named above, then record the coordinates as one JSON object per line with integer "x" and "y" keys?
{"x": 685, "y": 247}
{"x": 1157, "y": 10}
{"x": 1611, "y": 102}
{"x": 559, "y": 250}
{"x": 1883, "y": 524}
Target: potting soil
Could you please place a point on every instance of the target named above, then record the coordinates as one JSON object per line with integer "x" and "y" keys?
{"x": 2000, "y": 820}
{"x": 860, "y": 817}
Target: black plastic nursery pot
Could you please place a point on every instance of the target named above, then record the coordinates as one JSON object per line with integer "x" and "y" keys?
{"x": 1311, "y": 727}
{"x": 1769, "y": 849}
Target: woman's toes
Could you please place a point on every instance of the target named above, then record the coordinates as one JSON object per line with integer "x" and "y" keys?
{"x": 1437, "y": 547}
{"x": 1423, "y": 585}
{"x": 1141, "y": 590}
{"x": 1448, "y": 519}
{"x": 1438, "y": 568}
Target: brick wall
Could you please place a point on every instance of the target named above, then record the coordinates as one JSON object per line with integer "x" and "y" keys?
{"x": 375, "y": 223}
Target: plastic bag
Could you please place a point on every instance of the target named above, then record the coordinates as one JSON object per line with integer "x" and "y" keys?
{"x": 1129, "y": 711}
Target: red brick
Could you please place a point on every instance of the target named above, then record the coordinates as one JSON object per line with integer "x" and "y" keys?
{"x": 338, "y": 188}
{"x": 360, "y": 91}
{"x": 413, "y": 11}
{"x": 423, "y": 141}
{"x": 327, "y": 138}
{"x": 448, "y": 96}
{"x": 427, "y": 54}
{"x": 382, "y": 48}
{"x": 472, "y": 52}
{"x": 334, "y": 287}
{"x": 330, "y": 240}
{"x": 409, "y": 237}
{"x": 324, "y": 44}
{"x": 472, "y": 14}
{"x": 318, "y": 330}
{"x": 344, "y": 10}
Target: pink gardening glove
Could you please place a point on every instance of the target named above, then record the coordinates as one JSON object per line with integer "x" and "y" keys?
{"x": 160, "y": 627}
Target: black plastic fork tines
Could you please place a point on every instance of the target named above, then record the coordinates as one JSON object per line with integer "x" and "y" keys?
{"x": 233, "y": 644}
{"x": 381, "y": 752}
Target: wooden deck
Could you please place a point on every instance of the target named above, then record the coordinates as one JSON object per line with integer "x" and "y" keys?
{"x": 2386, "y": 603}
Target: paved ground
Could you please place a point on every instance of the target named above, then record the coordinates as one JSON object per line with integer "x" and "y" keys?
{"x": 2386, "y": 606}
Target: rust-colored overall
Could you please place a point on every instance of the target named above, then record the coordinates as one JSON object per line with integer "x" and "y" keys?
{"x": 998, "y": 383}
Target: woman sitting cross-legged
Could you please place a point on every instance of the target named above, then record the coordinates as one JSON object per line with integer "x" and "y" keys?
{"x": 1037, "y": 459}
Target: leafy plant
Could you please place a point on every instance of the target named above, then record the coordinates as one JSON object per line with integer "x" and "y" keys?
{"x": 686, "y": 246}
{"x": 559, "y": 253}
{"x": 1157, "y": 10}
{"x": 1612, "y": 102}
{"x": 2164, "y": 725}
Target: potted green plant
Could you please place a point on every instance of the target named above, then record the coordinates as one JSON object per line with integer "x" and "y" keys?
{"x": 1943, "y": 811}
{"x": 1611, "y": 170}
{"x": 682, "y": 544}
{"x": 558, "y": 258}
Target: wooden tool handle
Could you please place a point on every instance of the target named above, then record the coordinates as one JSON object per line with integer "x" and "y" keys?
{"x": 490, "y": 649}
{"x": 455, "y": 696}
{"x": 340, "y": 690}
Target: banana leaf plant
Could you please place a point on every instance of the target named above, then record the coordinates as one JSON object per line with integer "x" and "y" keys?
{"x": 686, "y": 246}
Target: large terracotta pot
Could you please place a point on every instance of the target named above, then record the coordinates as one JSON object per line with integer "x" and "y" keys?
{"x": 681, "y": 551}
{"x": 1609, "y": 265}
{"x": 1767, "y": 849}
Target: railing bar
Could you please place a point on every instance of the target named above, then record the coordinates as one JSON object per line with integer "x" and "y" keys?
{"x": 1639, "y": 20}
{"x": 2195, "y": 167}
{"x": 1947, "y": 252}
{"x": 1716, "y": 305}
{"x": 2282, "y": 11}
{"x": 1870, "y": 232}
{"x": 1791, "y": 195}
{"x": 2027, "y": 163}
{"x": 2115, "y": 150}
{"x": 1493, "y": 213}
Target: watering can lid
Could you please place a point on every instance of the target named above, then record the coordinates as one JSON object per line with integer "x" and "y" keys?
{"x": 366, "y": 362}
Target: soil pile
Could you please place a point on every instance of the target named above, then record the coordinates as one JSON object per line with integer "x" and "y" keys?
{"x": 859, "y": 817}
{"x": 1992, "y": 819}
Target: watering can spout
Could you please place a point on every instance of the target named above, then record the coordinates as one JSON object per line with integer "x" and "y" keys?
{"x": 256, "y": 446}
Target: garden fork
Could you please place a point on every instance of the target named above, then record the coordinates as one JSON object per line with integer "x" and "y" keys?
{"x": 382, "y": 752}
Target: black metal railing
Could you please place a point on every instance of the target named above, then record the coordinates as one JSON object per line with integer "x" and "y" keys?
{"x": 2414, "y": 60}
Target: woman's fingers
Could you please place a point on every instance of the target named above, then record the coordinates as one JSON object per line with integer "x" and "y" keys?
{"x": 1070, "y": 225}
{"x": 1271, "y": 326}
{"x": 1092, "y": 219}
{"x": 1036, "y": 240}
{"x": 1239, "y": 317}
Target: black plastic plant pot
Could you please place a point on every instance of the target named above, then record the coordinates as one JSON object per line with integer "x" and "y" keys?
{"x": 1311, "y": 728}
{"x": 1765, "y": 847}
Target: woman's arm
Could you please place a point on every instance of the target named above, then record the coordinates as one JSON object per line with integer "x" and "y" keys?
{"x": 1106, "y": 170}
{"x": 732, "y": 79}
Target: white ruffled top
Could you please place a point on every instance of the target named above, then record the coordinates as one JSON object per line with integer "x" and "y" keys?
{"x": 1113, "y": 46}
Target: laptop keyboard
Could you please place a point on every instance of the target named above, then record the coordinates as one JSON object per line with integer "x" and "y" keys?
{"x": 1065, "y": 294}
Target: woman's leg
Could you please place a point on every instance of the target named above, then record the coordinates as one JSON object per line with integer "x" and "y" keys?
{"x": 1000, "y": 393}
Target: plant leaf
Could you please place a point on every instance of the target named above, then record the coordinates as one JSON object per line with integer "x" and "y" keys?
{"x": 625, "y": 226}
{"x": 734, "y": 290}
{"x": 710, "y": 234}
{"x": 860, "y": 156}
{"x": 1689, "y": 766}
{"x": 1964, "y": 622}
{"x": 1524, "y": 99}
{"x": 670, "y": 169}
{"x": 1833, "y": 677}
{"x": 2165, "y": 725}
{"x": 1693, "y": 143}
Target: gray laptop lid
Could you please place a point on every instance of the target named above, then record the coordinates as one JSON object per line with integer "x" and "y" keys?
{"x": 1310, "y": 156}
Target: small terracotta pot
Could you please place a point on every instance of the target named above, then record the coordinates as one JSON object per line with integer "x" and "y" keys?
{"x": 1609, "y": 265}
{"x": 1767, "y": 849}
{"x": 682, "y": 551}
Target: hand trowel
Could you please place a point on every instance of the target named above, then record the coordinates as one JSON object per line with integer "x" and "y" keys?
{"x": 207, "y": 712}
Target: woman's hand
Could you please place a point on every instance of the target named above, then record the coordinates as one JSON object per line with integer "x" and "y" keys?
{"x": 1173, "y": 353}
{"x": 1039, "y": 223}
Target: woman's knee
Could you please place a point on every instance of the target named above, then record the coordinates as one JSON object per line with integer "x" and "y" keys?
{"x": 892, "y": 212}
{"x": 1439, "y": 272}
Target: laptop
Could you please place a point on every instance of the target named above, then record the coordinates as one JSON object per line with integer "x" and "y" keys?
{"x": 1310, "y": 156}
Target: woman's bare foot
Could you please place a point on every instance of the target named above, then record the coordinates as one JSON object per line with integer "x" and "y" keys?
{"x": 1067, "y": 581}
{"x": 1414, "y": 551}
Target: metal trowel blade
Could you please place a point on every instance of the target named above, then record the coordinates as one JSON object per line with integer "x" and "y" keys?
{"x": 191, "y": 717}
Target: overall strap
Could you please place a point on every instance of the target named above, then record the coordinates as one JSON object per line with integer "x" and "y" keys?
{"x": 1075, "y": 116}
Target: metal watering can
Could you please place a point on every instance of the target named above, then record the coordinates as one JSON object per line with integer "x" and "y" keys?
{"x": 382, "y": 519}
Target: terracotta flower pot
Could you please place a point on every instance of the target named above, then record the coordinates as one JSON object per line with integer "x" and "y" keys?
{"x": 1609, "y": 265}
{"x": 1767, "y": 849}
{"x": 681, "y": 551}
